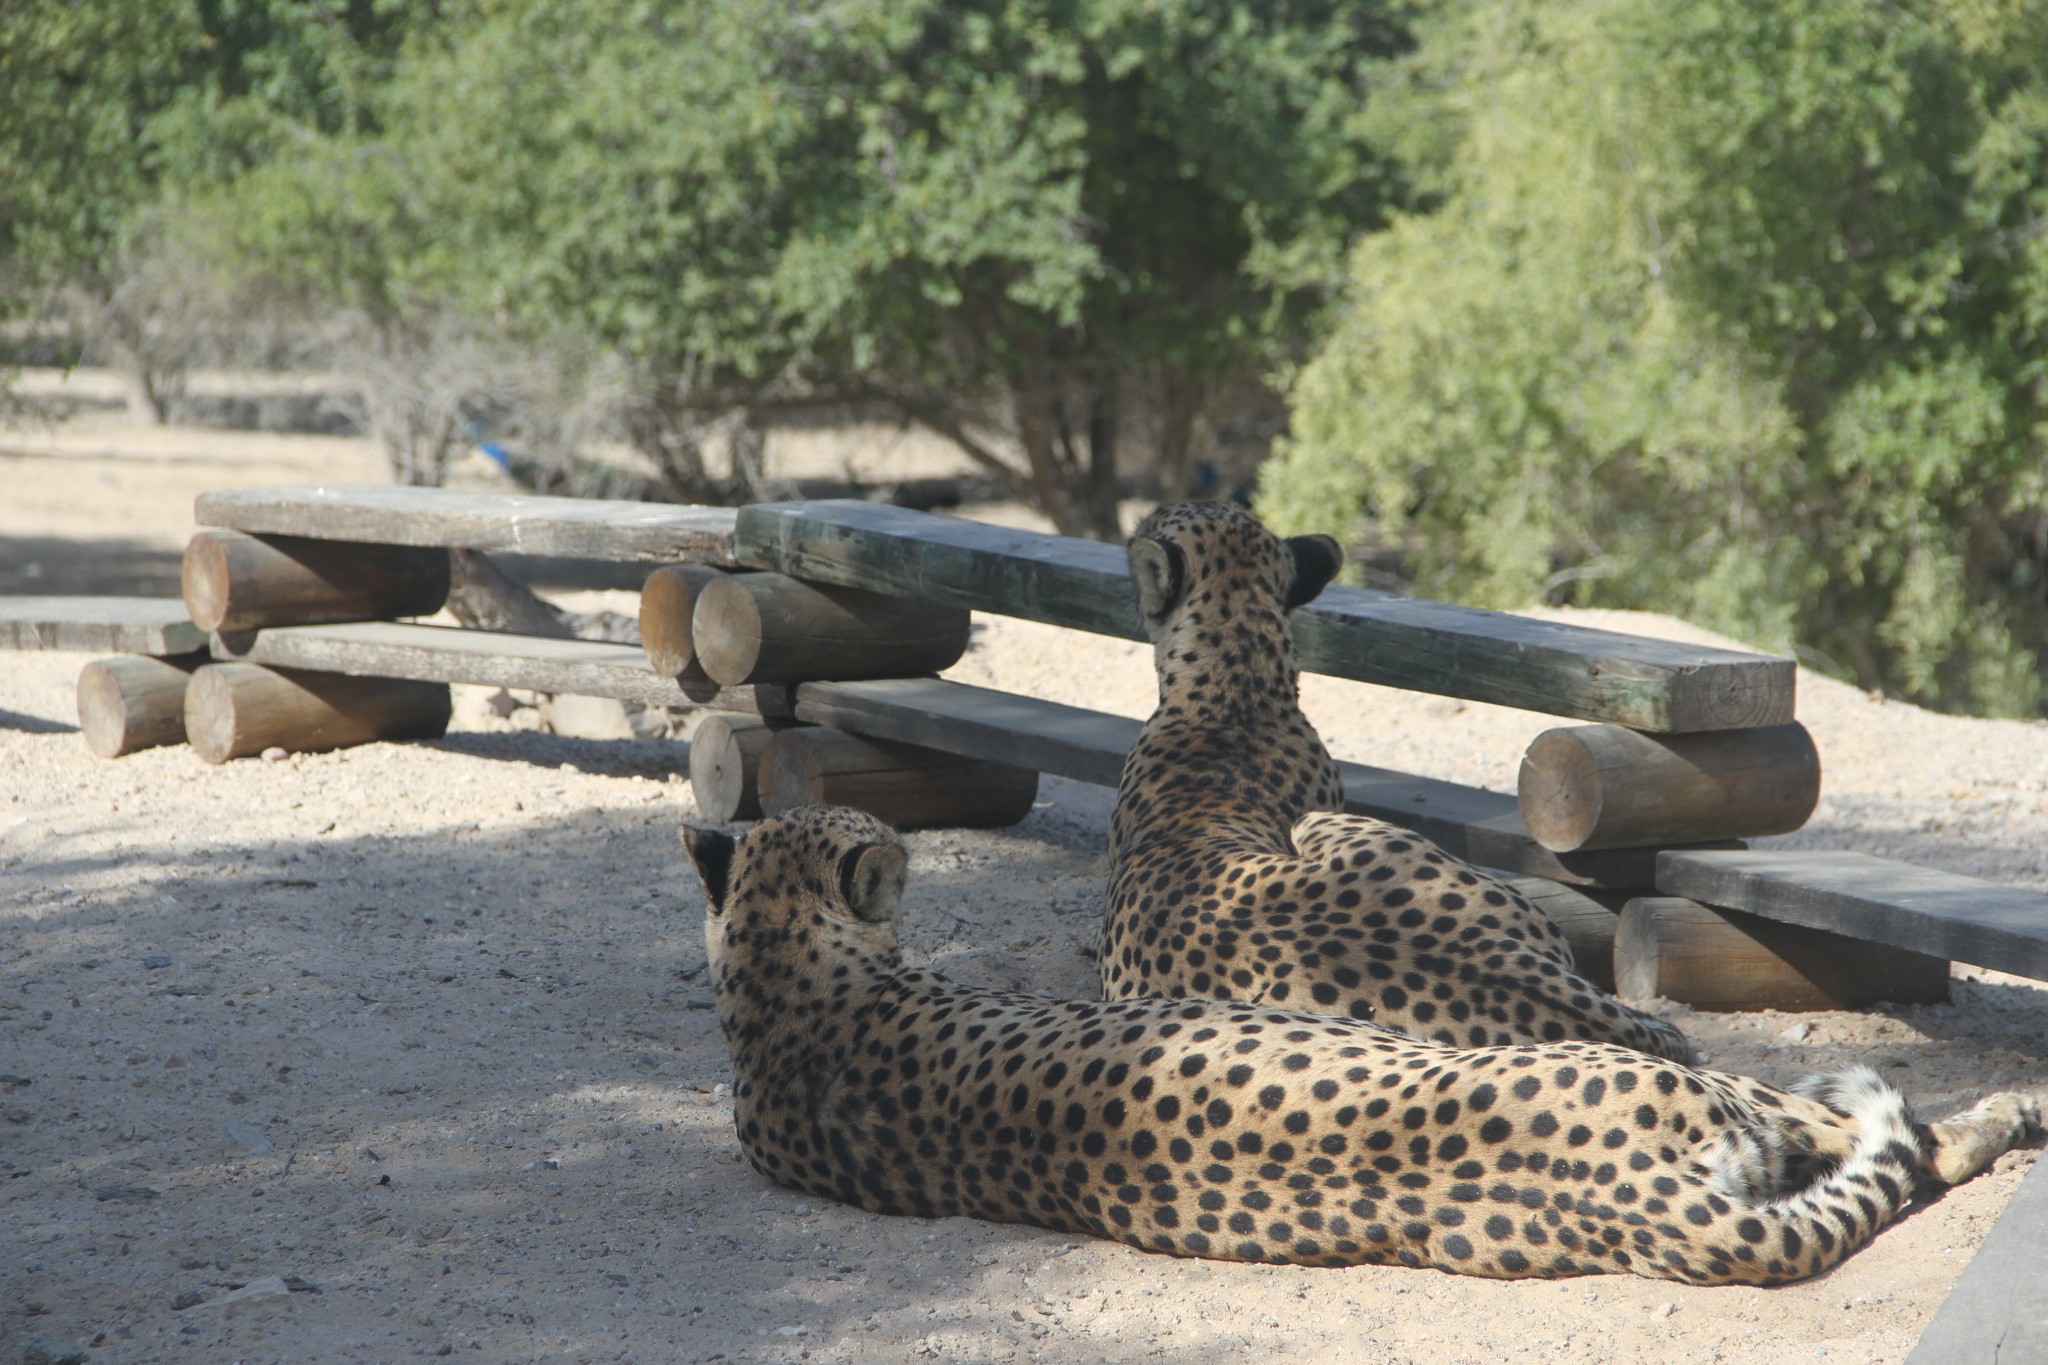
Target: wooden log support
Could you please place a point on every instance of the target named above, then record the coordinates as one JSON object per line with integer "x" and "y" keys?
{"x": 237, "y": 582}
{"x": 767, "y": 628}
{"x": 1604, "y": 786}
{"x": 668, "y": 600}
{"x": 126, "y": 625}
{"x": 390, "y": 649}
{"x": 1346, "y": 632}
{"x": 233, "y": 710}
{"x": 1725, "y": 960}
{"x": 1589, "y": 917}
{"x": 909, "y": 787}
{"x": 577, "y": 528}
{"x": 133, "y": 701}
{"x": 1877, "y": 900}
{"x": 725, "y": 765}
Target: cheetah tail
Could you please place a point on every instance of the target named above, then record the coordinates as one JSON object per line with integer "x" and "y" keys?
{"x": 1809, "y": 1232}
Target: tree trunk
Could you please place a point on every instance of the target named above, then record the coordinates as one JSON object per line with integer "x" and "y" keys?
{"x": 1102, "y": 490}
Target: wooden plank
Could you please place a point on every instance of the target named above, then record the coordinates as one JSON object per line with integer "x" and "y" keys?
{"x": 384, "y": 649}
{"x": 1089, "y": 746}
{"x": 99, "y": 625}
{"x": 1875, "y": 899}
{"x": 1347, "y": 632}
{"x": 378, "y": 514}
{"x": 1998, "y": 1310}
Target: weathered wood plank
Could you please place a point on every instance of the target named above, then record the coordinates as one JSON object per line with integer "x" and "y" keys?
{"x": 1875, "y": 899}
{"x": 1998, "y": 1311}
{"x": 100, "y": 625}
{"x": 1347, "y": 632}
{"x": 383, "y": 649}
{"x": 1479, "y": 826}
{"x": 586, "y": 528}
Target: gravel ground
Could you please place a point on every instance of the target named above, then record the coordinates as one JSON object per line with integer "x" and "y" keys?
{"x": 422, "y": 1032}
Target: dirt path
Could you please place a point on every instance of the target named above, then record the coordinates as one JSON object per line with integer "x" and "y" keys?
{"x": 422, "y": 1030}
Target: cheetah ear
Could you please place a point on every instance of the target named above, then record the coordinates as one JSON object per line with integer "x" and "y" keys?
{"x": 1159, "y": 572}
{"x": 1316, "y": 561}
{"x": 711, "y": 850}
{"x": 871, "y": 878}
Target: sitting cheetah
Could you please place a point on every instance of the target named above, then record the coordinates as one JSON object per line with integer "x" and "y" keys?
{"x": 1243, "y": 1132}
{"x": 1235, "y": 876}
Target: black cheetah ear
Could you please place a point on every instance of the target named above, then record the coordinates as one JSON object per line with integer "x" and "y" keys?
{"x": 1316, "y": 561}
{"x": 1159, "y": 572}
{"x": 711, "y": 850}
{"x": 871, "y": 878}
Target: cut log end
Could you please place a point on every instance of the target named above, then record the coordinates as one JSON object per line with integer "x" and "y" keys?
{"x": 668, "y": 600}
{"x": 1715, "y": 959}
{"x": 133, "y": 702}
{"x": 908, "y": 786}
{"x": 725, "y": 765}
{"x": 1603, "y": 786}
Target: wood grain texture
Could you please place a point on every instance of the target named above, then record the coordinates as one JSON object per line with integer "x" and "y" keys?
{"x": 908, "y": 786}
{"x": 1726, "y": 960}
{"x": 1940, "y": 914}
{"x": 133, "y": 701}
{"x": 1481, "y": 827}
{"x": 1347, "y": 632}
{"x": 100, "y": 625}
{"x": 448, "y": 654}
{"x": 1998, "y": 1312}
{"x": 235, "y": 581}
{"x": 1607, "y": 786}
{"x": 234, "y": 710}
{"x": 580, "y": 528}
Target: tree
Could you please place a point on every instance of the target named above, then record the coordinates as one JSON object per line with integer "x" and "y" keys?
{"x": 1073, "y": 225}
{"x": 1734, "y": 309}
{"x": 112, "y": 109}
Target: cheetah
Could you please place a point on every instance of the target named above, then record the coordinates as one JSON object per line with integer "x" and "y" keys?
{"x": 1234, "y": 873}
{"x": 1243, "y": 1132}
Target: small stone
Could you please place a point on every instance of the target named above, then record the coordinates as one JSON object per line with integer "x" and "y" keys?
{"x": 156, "y": 960}
{"x": 246, "y": 1140}
{"x": 1664, "y": 1309}
{"x": 1796, "y": 1033}
{"x": 275, "y": 754}
{"x": 548, "y": 1163}
{"x": 19, "y": 1116}
{"x": 721, "y": 1091}
{"x": 257, "y": 1295}
{"x": 801, "y": 1209}
{"x": 41, "y": 1352}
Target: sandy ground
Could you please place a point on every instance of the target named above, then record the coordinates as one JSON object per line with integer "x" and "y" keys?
{"x": 423, "y": 1030}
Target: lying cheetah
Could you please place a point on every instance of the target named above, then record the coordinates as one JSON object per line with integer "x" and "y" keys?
{"x": 1233, "y": 877}
{"x": 1242, "y": 1132}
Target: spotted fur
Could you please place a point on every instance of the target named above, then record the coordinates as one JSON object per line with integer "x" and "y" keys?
{"x": 1234, "y": 874}
{"x": 1241, "y": 1132}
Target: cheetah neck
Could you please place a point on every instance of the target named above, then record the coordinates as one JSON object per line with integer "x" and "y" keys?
{"x": 1238, "y": 666}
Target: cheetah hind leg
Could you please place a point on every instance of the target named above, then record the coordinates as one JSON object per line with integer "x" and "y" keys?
{"x": 1967, "y": 1143}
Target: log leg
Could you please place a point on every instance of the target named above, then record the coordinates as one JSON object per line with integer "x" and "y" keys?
{"x": 910, "y": 787}
{"x": 725, "y": 765}
{"x": 236, "y": 709}
{"x": 133, "y": 701}
{"x": 1725, "y": 960}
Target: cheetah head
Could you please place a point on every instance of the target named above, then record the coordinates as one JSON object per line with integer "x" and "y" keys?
{"x": 801, "y": 893}
{"x": 1193, "y": 556}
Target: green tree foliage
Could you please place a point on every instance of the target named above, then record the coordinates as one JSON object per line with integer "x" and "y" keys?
{"x": 1060, "y": 221}
{"x": 110, "y": 109}
{"x": 1734, "y": 309}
